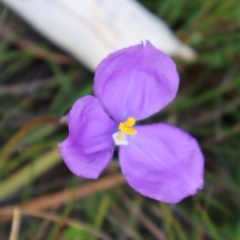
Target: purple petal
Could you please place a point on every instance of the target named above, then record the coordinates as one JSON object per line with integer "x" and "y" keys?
{"x": 136, "y": 82}
{"x": 163, "y": 162}
{"x": 89, "y": 146}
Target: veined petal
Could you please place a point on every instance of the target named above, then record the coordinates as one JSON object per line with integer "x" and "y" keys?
{"x": 136, "y": 82}
{"x": 89, "y": 146}
{"x": 163, "y": 162}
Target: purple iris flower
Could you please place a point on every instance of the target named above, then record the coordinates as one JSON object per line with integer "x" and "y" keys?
{"x": 159, "y": 160}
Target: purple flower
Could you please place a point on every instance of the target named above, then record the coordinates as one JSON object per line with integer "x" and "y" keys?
{"x": 159, "y": 160}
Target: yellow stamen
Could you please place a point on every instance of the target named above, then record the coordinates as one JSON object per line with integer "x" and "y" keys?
{"x": 126, "y": 128}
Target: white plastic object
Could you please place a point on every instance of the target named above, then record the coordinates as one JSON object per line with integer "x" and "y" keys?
{"x": 91, "y": 29}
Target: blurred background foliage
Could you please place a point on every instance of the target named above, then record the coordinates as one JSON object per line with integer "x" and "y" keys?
{"x": 39, "y": 83}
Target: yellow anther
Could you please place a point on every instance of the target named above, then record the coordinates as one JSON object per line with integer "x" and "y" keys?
{"x": 130, "y": 122}
{"x": 126, "y": 128}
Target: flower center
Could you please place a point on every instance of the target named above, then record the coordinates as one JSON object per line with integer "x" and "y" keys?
{"x": 126, "y": 128}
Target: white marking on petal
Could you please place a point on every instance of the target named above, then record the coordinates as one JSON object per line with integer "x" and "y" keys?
{"x": 117, "y": 142}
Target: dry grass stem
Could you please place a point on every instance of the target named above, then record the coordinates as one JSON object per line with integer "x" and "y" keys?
{"x": 53, "y": 201}
{"x": 15, "y": 224}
